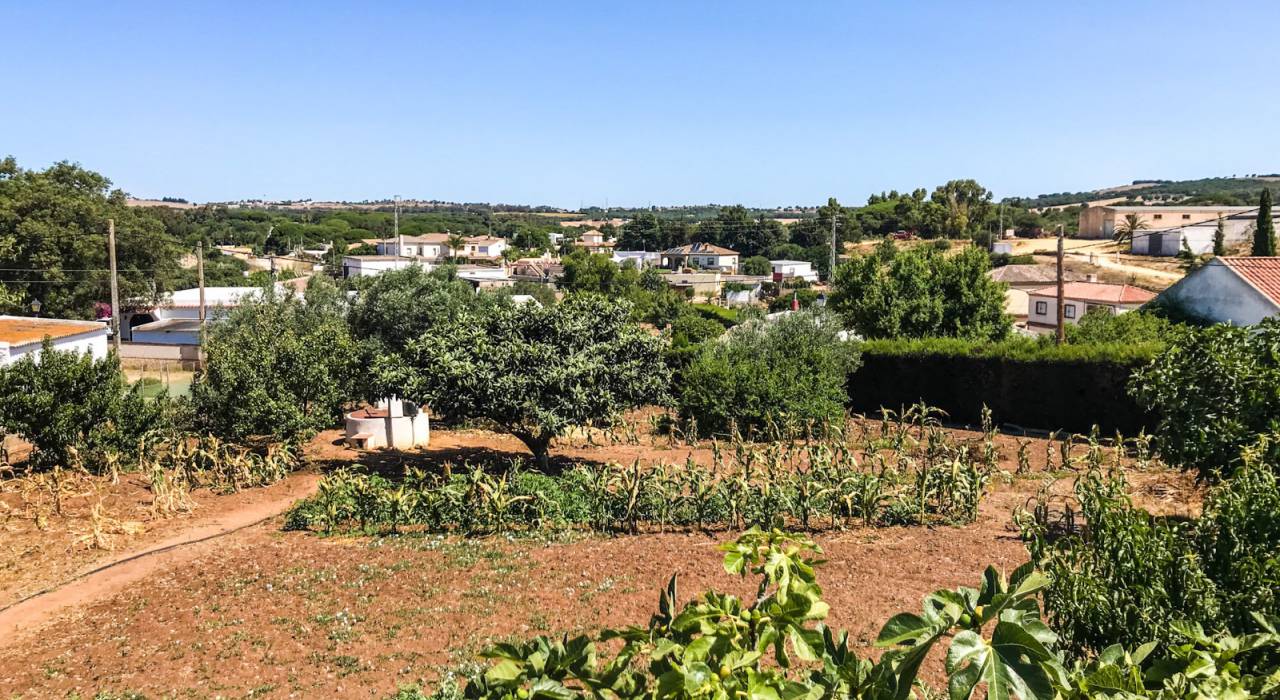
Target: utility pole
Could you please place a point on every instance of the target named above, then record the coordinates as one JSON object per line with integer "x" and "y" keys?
{"x": 115, "y": 284}
{"x": 200, "y": 279}
{"x": 831, "y": 274}
{"x": 1062, "y": 292}
{"x": 396, "y": 225}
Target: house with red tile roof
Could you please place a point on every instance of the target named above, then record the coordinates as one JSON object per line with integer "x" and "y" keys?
{"x": 1080, "y": 298}
{"x": 1237, "y": 290}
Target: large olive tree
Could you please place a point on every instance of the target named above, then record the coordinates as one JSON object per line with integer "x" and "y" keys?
{"x": 534, "y": 371}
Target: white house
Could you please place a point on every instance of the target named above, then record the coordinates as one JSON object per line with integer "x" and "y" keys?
{"x": 485, "y": 276}
{"x": 640, "y": 258}
{"x": 21, "y": 336}
{"x": 370, "y": 265}
{"x": 789, "y": 269}
{"x": 176, "y": 321}
{"x": 431, "y": 246}
{"x": 1236, "y": 290}
{"x": 702, "y": 256}
{"x": 1078, "y": 299}
{"x": 490, "y": 247}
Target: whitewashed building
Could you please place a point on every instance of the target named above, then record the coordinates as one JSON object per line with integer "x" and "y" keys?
{"x": 701, "y": 256}
{"x": 370, "y": 265}
{"x": 640, "y": 258}
{"x": 791, "y": 269}
{"x": 430, "y": 246}
{"x": 1238, "y": 290}
{"x": 21, "y": 336}
{"x": 1080, "y": 298}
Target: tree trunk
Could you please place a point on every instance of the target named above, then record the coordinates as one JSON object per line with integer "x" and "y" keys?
{"x": 539, "y": 444}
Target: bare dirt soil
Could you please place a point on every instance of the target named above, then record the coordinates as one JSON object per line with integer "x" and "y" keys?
{"x": 265, "y": 613}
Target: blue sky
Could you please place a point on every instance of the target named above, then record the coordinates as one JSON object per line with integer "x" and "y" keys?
{"x": 766, "y": 103}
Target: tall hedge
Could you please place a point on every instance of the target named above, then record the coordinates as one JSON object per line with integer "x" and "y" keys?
{"x": 1023, "y": 382}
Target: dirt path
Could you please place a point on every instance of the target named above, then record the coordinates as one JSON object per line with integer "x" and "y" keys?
{"x": 1105, "y": 261}
{"x": 106, "y": 578}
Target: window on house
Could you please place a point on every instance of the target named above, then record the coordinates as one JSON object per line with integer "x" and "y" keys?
{"x": 1042, "y": 308}
{"x": 1157, "y": 217}
{"x": 1186, "y": 217}
{"x": 1069, "y": 311}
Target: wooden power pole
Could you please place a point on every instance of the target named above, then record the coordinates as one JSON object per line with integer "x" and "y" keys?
{"x": 831, "y": 275}
{"x": 200, "y": 280}
{"x": 115, "y": 284}
{"x": 1062, "y": 292}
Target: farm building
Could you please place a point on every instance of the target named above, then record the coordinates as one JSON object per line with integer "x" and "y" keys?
{"x": 370, "y": 265}
{"x": 1237, "y": 290}
{"x": 1101, "y": 222}
{"x": 639, "y": 258}
{"x": 1080, "y": 298}
{"x": 176, "y": 321}
{"x": 793, "y": 269}
{"x": 21, "y": 336}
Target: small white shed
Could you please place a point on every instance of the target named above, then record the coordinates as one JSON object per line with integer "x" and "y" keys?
{"x": 21, "y": 336}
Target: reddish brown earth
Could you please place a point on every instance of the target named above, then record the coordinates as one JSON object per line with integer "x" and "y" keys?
{"x": 265, "y": 613}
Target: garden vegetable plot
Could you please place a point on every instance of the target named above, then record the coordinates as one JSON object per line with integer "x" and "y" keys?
{"x": 270, "y": 612}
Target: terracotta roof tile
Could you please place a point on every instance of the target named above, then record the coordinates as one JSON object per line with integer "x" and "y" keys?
{"x": 20, "y": 330}
{"x": 1098, "y": 291}
{"x": 1262, "y": 273}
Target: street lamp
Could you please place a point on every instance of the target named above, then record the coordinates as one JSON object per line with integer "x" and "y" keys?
{"x": 35, "y": 307}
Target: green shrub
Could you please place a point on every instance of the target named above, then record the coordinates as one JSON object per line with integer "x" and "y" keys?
{"x": 1021, "y": 380}
{"x": 65, "y": 402}
{"x": 774, "y": 644}
{"x": 769, "y": 376}
{"x": 725, "y": 316}
{"x": 278, "y": 367}
{"x": 1214, "y": 390}
{"x": 1128, "y": 577}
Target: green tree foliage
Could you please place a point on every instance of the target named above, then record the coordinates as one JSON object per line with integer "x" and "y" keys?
{"x": 543, "y": 293}
{"x": 920, "y": 293}
{"x": 1264, "y": 232}
{"x": 648, "y": 232}
{"x": 735, "y": 229}
{"x": 767, "y": 377}
{"x": 400, "y": 305}
{"x": 534, "y": 371}
{"x": 775, "y": 645}
{"x": 1100, "y": 326}
{"x": 1131, "y": 225}
{"x": 966, "y": 206}
{"x": 53, "y": 242}
{"x": 756, "y": 265}
{"x": 66, "y": 401}
{"x": 279, "y": 366}
{"x": 1133, "y": 577}
{"x": 1220, "y": 238}
{"x": 596, "y": 272}
{"x": 1214, "y": 390}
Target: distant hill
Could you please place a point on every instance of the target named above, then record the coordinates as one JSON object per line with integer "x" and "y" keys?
{"x": 1226, "y": 191}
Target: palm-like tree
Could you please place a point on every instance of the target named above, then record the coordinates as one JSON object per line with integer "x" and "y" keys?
{"x": 456, "y": 242}
{"x": 1129, "y": 227}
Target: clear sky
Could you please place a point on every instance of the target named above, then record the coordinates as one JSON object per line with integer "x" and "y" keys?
{"x": 542, "y": 102}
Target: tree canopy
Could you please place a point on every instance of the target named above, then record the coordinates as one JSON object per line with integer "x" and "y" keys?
{"x": 534, "y": 371}
{"x": 921, "y": 293}
{"x": 1264, "y": 231}
{"x": 53, "y": 242}
{"x": 282, "y": 366}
